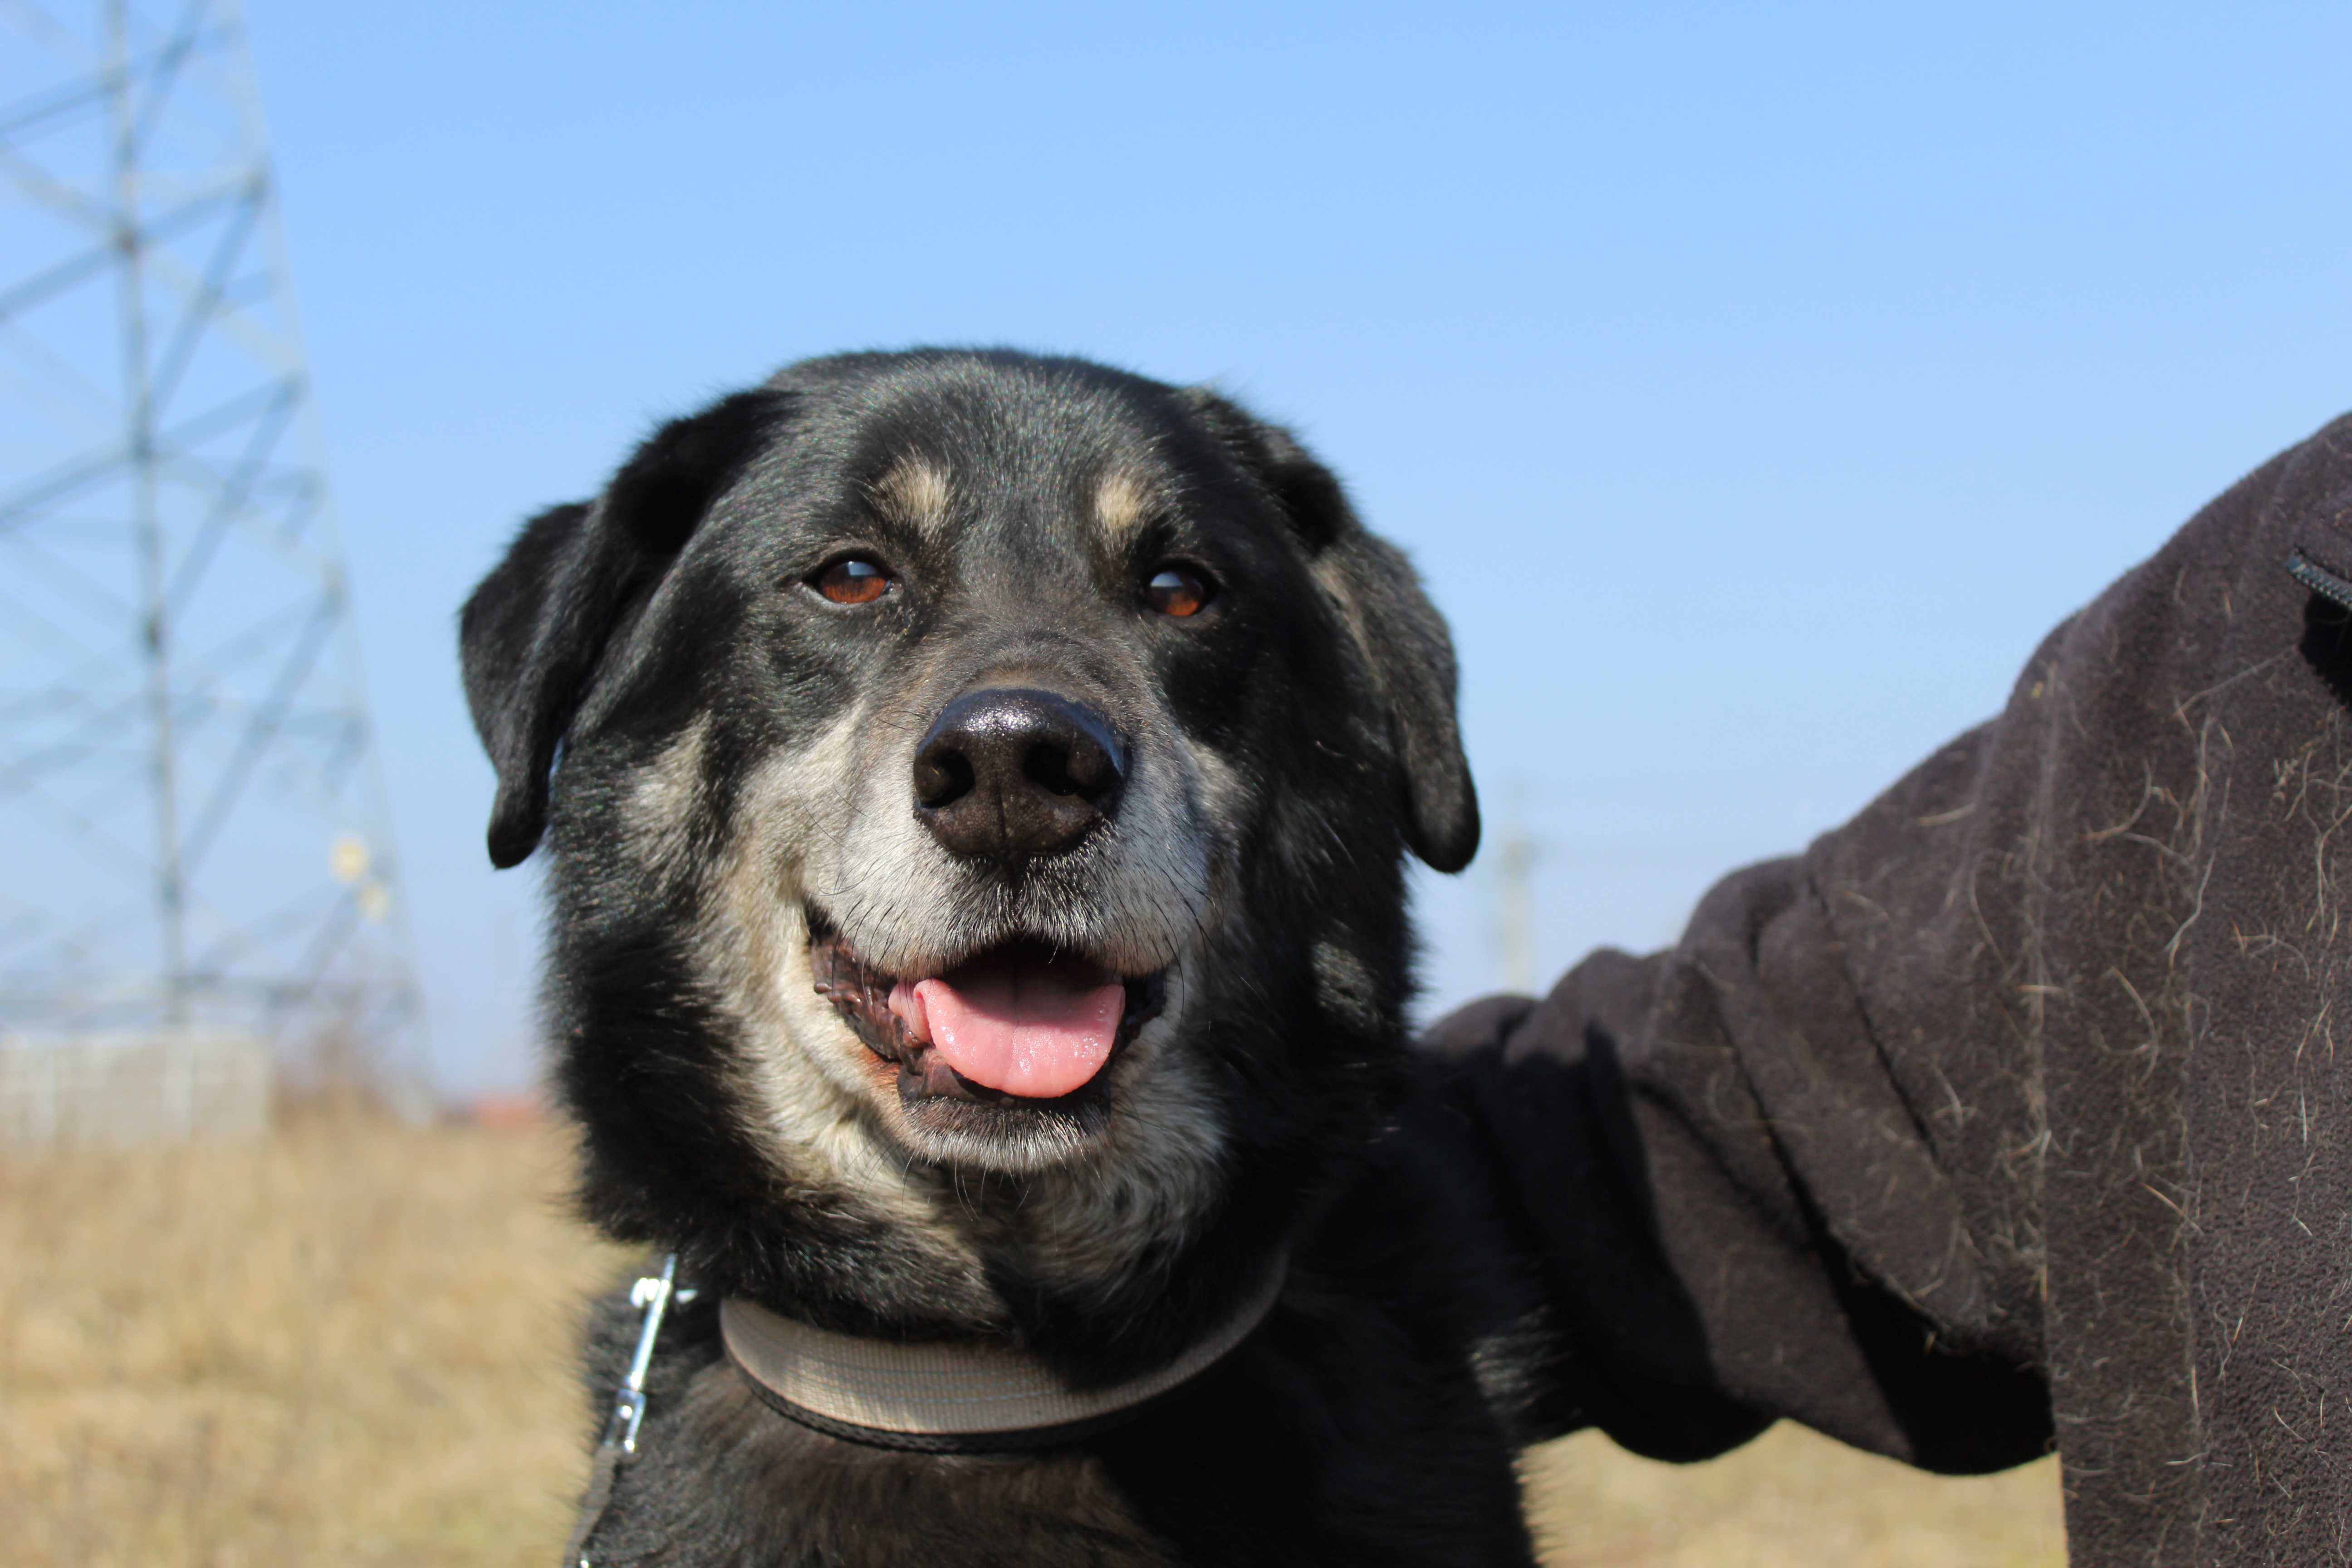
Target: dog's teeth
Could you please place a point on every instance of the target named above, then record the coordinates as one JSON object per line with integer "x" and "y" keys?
{"x": 914, "y": 1017}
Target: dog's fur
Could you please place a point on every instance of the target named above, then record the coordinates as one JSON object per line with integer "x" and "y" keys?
{"x": 720, "y": 758}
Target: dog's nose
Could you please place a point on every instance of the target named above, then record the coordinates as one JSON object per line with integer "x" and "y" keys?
{"x": 1007, "y": 773}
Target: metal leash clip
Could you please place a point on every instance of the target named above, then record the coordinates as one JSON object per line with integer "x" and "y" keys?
{"x": 651, "y": 1295}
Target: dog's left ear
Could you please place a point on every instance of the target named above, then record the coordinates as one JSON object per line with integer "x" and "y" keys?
{"x": 531, "y": 636}
{"x": 1399, "y": 631}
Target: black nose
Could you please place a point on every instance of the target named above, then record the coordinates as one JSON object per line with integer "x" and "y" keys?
{"x": 1006, "y": 773}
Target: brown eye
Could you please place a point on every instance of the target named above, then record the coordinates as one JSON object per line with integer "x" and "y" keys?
{"x": 853, "y": 579}
{"x": 1176, "y": 590}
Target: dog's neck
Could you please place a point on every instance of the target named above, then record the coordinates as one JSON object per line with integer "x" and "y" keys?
{"x": 1000, "y": 1267}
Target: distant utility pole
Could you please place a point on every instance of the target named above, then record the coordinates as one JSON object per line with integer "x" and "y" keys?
{"x": 1514, "y": 907}
{"x": 190, "y": 810}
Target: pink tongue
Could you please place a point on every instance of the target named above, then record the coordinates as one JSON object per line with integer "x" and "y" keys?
{"x": 1037, "y": 1030}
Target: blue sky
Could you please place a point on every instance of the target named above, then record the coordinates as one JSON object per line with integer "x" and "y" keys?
{"x": 1754, "y": 386}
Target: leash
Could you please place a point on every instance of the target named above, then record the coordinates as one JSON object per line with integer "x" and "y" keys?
{"x": 652, "y": 1295}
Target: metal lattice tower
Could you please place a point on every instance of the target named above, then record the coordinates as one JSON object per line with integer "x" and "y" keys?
{"x": 194, "y": 826}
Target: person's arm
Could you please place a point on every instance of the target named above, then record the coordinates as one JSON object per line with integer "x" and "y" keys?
{"x": 2010, "y": 1115}
{"x": 1692, "y": 1290}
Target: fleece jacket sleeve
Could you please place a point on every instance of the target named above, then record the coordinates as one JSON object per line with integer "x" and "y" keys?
{"x": 2012, "y": 1114}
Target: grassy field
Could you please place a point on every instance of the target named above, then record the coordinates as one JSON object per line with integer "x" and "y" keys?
{"x": 352, "y": 1344}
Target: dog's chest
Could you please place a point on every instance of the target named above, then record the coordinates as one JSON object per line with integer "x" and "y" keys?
{"x": 723, "y": 1479}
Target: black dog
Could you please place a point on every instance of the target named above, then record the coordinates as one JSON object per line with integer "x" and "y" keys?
{"x": 980, "y": 791}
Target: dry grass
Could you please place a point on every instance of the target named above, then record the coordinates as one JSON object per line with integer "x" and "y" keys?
{"x": 1786, "y": 1499}
{"x": 352, "y": 1344}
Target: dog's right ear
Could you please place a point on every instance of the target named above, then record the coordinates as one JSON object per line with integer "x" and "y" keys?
{"x": 529, "y": 638}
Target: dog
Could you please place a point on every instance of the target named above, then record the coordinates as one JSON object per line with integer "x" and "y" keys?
{"x": 974, "y": 790}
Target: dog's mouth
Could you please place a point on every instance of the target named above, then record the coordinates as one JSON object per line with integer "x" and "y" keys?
{"x": 1017, "y": 1023}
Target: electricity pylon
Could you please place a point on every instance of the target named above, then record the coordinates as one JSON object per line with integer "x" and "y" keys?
{"x": 192, "y": 824}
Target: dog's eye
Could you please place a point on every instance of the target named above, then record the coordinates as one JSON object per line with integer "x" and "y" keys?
{"x": 1176, "y": 590}
{"x": 853, "y": 579}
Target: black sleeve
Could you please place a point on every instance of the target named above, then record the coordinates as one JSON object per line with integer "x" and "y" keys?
{"x": 1696, "y": 1289}
{"x": 2012, "y": 1113}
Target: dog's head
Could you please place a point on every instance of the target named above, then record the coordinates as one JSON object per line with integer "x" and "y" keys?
{"x": 964, "y": 768}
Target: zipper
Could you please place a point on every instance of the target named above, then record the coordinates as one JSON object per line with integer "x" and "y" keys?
{"x": 2318, "y": 579}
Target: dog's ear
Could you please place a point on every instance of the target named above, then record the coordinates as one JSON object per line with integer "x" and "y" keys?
{"x": 531, "y": 634}
{"x": 1399, "y": 631}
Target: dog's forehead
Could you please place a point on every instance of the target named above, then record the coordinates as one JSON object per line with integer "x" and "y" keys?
{"x": 983, "y": 449}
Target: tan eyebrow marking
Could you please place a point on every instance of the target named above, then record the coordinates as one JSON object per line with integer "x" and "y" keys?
{"x": 915, "y": 493}
{"x": 1122, "y": 500}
